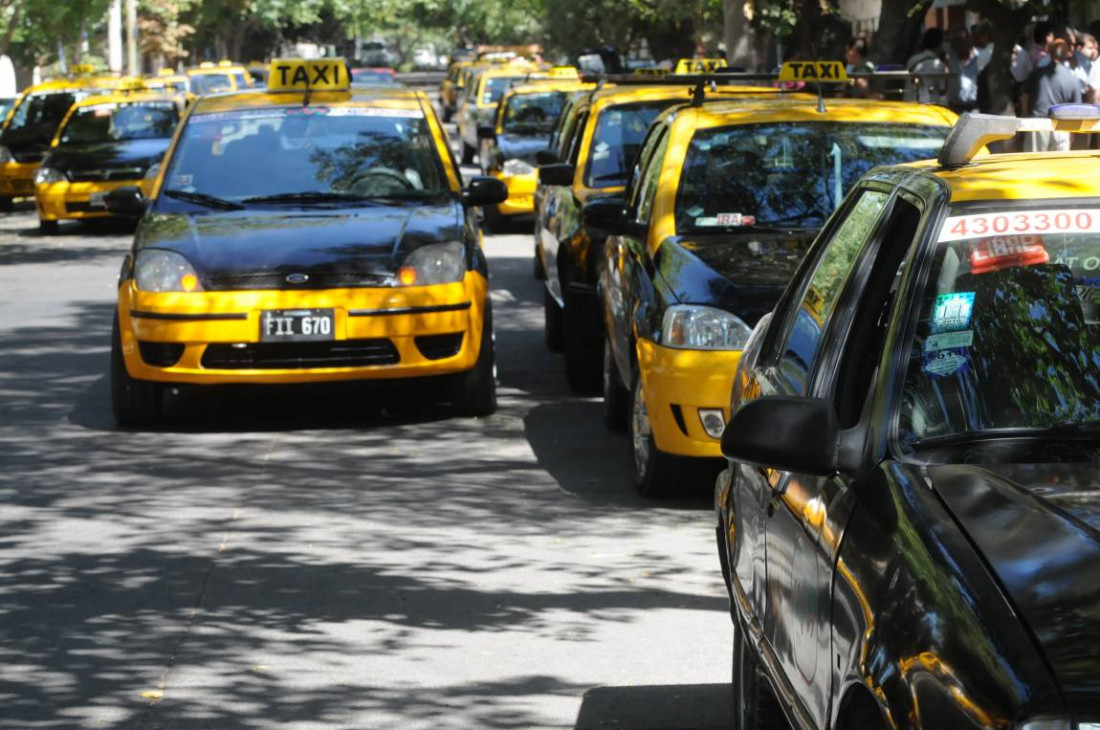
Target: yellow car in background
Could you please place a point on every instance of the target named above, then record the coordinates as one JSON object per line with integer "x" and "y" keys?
{"x": 526, "y": 116}
{"x": 169, "y": 81}
{"x": 452, "y": 88}
{"x": 276, "y": 248}
{"x": 483, "y": 92}
{"x": 210, "y": 78}
{"x": 104, "y": 143}
{"x": 30, "y": 126}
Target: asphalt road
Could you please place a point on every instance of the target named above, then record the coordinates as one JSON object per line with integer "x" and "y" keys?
{"x": 331, "y": 558}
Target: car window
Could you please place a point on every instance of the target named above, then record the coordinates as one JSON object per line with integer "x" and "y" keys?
{"x": 617, "y": 140}
{"x": 1008, "y": 325}
{"x": 819, "y": 299}
{"x": 120, "y": 121}
{"x": 533, "y": 113}
{"x": 573, "y": 148}
{"x": 651, "y": 174}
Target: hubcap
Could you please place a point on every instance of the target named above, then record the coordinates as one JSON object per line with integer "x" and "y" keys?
{"x": 640, "y": 431}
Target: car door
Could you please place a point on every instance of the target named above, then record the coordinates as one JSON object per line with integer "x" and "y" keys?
{"x": 561, "y": 217}
{"x": 852, "y": 285}
{"x": 627, "y": 264}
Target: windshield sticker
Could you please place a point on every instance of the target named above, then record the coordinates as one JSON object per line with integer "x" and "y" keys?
{"x": 952, "y": 311}
{"x": 735, "y": 219}
{"x": 944, "y": 363}
{"x": 182, "y": 180}
{"x": 949, "y": 341}
{"x": 961, "y": 227}
{"x": 362, "y": 111}
{"x": 1004, "y": 252}
{"x": 695, "y": 211}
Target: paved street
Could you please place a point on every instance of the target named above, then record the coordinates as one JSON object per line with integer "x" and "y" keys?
{"x": 331, "y": 558}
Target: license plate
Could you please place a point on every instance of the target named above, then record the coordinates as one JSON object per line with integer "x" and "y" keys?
{"x": 296, "y": 325}
{"x": 96, "y": 200}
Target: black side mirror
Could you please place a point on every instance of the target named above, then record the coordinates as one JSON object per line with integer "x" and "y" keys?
{"x": 484, "y": 190}
{"x": 545, "y": 157}
{"x": 801, "y": 435}
{"x": 126, "y": 201}
{"x": 557, "y": 174}
{"x": 486, "y": 131}
{"x": 608, "y": 214}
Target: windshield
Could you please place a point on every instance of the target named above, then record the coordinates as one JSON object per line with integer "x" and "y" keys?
{"x": 617, "y": 141}
{"x": 372, "y": 77}
{"x": 533, "y": 113}
{"x": 210, "y": 83}
{"x": 355, "y": 151}
{"x": 1008, "y": 334}
{"x": 789, "y": 174}
{"x": 116, "y": 122}
{"x": 45, "y": 109}
{"x": 495, "y": 86}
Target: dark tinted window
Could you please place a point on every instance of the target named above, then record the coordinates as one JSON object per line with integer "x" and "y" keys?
{"x": 617, "y": 141}
{"x": 117, "y": 122}
{"x": 533, "y": 113}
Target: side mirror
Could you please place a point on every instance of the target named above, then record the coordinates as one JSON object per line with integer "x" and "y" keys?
{"x": 608, "y": 214}
{"x": 126, "y": 201}
{"x": 486, "y": 131}
{"x": 557, "y": 174}
{"x": 545, "y": 157}
{"x": 801, "y": 435}
{"x": 484, "y": 190}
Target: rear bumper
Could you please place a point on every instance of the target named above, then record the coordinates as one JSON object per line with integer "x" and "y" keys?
{"x": 385, "y": 319}
{"x": 677, "y": 384}
{"x": 521, "y": 193}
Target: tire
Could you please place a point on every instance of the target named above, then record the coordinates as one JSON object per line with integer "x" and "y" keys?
{"x": 133, "y": 402}
{"x": 475, "y": 392}
{"x": 754, "y": 706}
{"x": 616, "y": 398}
{"x": 538, "y": 269}
{"x": 468, "y": 153}
{"x": 654, "y": 471}
{"x": 48, "y": 228}
{"x": 583, "y": 354}
{"x": 553, "y": 324}
{"x": 7, "y": 205}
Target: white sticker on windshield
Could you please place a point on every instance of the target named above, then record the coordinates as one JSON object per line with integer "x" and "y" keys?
{"x": 949, "y": 340}
{"x": 363, "y": 111}
{"x": 945, "y": 363}
{"x": 987, "y": 225}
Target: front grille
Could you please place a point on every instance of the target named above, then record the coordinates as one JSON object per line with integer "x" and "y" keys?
{"x": 32, "y": 156}
{"x": 122, "y": 173}
{"x": 327, "y": 280}
{"x": 25, "y": 186}
{"x": 300, "y": 355}
{"x": 161, "y": 354}
{"x": 437, "y": 347}
{"x": 83, "y": 207}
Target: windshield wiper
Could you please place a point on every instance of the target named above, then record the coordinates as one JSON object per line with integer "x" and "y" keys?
{"x": 209, "y": 201}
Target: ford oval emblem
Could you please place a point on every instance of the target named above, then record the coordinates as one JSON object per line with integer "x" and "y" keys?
{"x": 297, "y": 278}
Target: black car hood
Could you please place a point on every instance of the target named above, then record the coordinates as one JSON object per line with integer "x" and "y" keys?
{"x": 30, "y": 142}
{"x": 368, "y": 241}
{"x": 137, "y": 153}
{"x": 744, "y": 273}
{"x": 1038, "y": 527}
{"x": 521, "y": 146}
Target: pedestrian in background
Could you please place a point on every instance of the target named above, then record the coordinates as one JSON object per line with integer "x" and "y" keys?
{"x": 928, "y": 60}
{"x": 856, "y": 53}
{"x": 1050, "y": 84}
{"x": 962, "y": 89}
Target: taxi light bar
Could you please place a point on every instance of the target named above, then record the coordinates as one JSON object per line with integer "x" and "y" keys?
{"x": 322, "y": 74}
{"x": 1007, "y": 252}
{"x": 974, "y": 131}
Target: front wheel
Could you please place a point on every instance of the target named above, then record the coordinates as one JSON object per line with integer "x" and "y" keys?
{"x": 476, "y": 391}
{"x": 616, "y": 398}
{"x": 133, "y": 402}
{"x": 654, "y": 470}
{"x": 754, "y": 704}
{"x": 48, "y": 228}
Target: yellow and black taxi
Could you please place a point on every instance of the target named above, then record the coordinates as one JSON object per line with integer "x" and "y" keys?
{"x": 909, "y": 526}
{"x": 211, "y": 78}
{"x": 105, "y": 142}
{"x": 594, "y": 150}
{"x": 308, "y": 232}
{"x": 30, "y": 126}
{"x": 482, "y": 95}
{"x": 452, "y": 88}
{"x": 526, "y": 117}
{"x": 725, "y": 202}
{"x": 168, "y": 81}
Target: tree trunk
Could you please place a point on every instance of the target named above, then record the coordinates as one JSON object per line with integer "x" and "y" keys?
{"x": 1007, "y": 26}
{"x": 740, "y": 37}
{"x": 13, "y": 23}
{"x": 900, "y": 26}
{"x": 671, "y": 40}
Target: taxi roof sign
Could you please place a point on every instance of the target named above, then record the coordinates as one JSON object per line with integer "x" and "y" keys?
{"x": 819, "y": 71}
{"x": 83, "y": 68}
{"x": 322, "y": 74}
{"x": 564, "y": 72}
{"x": 699, "y": 65}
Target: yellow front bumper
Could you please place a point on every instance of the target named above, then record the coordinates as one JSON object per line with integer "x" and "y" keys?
{"x": 72, "y": 200}
{"x": 521, "y": 193}
{"x": 685, "y": 381}
{"x": 17, "y": 179}
{"x": 400, "y": 315}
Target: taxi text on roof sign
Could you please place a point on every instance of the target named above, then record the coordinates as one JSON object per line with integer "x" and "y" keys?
{"x": 329, "y": 74}
{"x": 813, "y": 71}
{"x": 699, "y": 65}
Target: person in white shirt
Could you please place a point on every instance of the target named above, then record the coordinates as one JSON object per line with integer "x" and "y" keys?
{"x": 928, "y": 91}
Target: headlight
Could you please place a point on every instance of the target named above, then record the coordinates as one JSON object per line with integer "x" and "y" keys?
{"x": 47, "y": 175}
{"x": 152, "y": 172}
{"x": 516, "y": 168}
{"x": 6, "y": 155}
{"x": 161, "y": 271}
{"x": 692, "y": 327}
{"x": 438, "y": 263}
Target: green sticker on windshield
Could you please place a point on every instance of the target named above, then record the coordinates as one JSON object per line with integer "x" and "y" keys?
{"x": 952, "y": 311}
